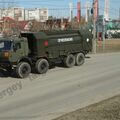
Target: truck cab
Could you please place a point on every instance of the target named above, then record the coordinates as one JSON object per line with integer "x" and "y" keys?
{"x": 12, "y": 50}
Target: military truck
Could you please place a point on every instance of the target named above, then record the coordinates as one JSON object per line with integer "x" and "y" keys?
{"x": 39, "y": 50}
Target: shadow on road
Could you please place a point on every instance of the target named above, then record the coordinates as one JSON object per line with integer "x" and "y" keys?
{"x": 4, "y": 73}
{"x": 88, "y": 57}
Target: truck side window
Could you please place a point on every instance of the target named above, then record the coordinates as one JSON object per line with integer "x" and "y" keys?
{"x": 18, "y": 45}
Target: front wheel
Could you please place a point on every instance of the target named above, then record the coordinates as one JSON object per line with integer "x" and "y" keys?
{"x": 42, "y": 66}
{"x": 23, "y": 69}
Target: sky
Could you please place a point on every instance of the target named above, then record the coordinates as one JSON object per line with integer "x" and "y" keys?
{"x": 61, "y": 7}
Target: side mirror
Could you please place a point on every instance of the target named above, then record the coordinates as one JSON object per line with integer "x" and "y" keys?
{"x": 14, "y": 48}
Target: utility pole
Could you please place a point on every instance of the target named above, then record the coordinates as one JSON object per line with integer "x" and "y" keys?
{"x": 103, "y": 35}
{"x": 106, "y": 11}
{"x": 79, "y": 11}
{"x": 105, "y": 18}
{"x": 94, "y": 28}
{"x": 119, "y": 13}
{"x": 3, "y": 14}
{"x": 87, "y": 11}
{"x": 71, "y": 11}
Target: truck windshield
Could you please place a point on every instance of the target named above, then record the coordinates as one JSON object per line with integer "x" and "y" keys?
{"x": 5, "y": 45}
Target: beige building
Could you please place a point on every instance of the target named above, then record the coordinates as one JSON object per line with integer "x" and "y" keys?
{"x": 21, "y": 14}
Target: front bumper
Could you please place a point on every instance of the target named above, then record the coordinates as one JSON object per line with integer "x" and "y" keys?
{"x": 5, "y": 64}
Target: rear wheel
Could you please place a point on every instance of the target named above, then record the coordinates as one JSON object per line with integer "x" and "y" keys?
{"x": 42, "y": 66}
{"x": 23, "y": 69}
{"x": 79, "y": 59}
{"x": 69, "y": 61}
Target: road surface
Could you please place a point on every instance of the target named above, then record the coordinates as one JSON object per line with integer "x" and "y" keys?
{"x": 61, "y": 90}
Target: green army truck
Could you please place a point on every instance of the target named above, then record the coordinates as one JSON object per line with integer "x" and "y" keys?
{"x": 39, "y": 50}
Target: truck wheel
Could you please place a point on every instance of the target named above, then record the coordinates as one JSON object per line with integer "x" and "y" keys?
{"x": 23, "y": 69}
{"x": 69, "y": 61}
{"x": 42, "y": 66}
{"x": 79, "y": 59}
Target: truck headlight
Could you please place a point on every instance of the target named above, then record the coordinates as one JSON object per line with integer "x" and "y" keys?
{"x": 6, "y": 54}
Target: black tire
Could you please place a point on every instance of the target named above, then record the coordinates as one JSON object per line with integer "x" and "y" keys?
{"x": 69, "y": 61}
{"x": 42, "y": 66}
{"x": 79, "y": 59}
{"x": 23, "y": 69}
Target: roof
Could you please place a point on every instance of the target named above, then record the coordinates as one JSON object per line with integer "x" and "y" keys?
{"x": 22, "y": 24}
{"x": 8, "y": 19}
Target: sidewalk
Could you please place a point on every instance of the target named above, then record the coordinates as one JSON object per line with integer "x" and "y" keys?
{"x": 105, "y": 110}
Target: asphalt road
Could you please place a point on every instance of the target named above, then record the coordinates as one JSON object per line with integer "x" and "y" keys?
{"x": 61, "y": 90}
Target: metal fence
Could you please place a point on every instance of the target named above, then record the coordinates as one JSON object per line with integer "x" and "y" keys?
{"x": 109, "y": 45}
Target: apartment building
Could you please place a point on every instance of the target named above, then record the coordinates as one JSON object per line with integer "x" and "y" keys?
{"x": 22, "y": 14}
